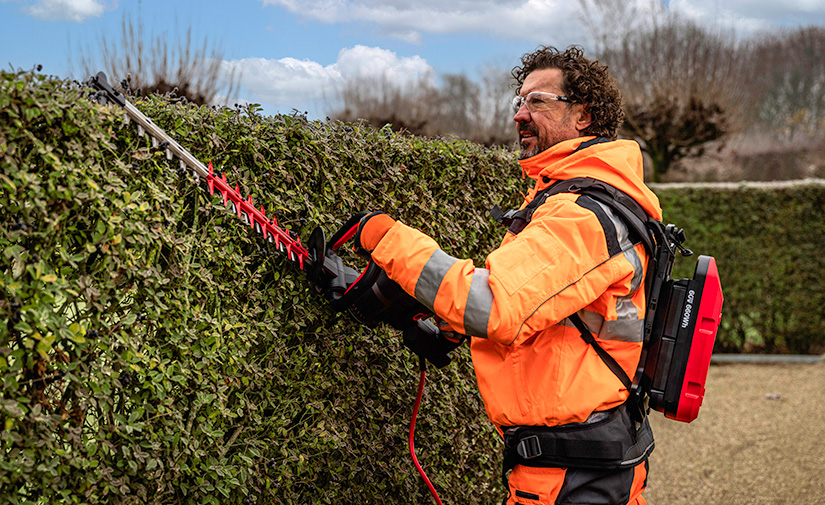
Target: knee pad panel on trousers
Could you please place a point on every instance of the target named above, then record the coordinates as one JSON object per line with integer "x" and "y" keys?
{"x": 599, "y": 487}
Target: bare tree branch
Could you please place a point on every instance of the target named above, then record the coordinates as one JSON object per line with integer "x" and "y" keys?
{"x": 151, "y": 65}
{"x": 681, "y": 81}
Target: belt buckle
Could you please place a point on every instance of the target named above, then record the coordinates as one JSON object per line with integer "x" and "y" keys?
{"x": 529, "y": 447}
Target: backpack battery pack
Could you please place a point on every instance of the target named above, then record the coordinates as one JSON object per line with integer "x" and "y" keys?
{"x": 684, "y": 330}
{"x": 682, "y": 316}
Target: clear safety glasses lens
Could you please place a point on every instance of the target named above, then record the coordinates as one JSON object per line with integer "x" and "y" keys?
{"x": 537, "y": 101}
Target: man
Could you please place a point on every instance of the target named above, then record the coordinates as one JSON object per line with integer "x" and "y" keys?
{"x": 573, "y": 258}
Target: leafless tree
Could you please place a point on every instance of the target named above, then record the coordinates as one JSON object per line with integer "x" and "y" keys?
{"x": 380, "y": 101}
{"x": 787, "y": 76}
{"x": 458, "y": 106}
{"x": 609, "y": 21}
{"x": 681, "y": 81}
{"x": 496, "y": 126}
{"x": 154, "y": 65}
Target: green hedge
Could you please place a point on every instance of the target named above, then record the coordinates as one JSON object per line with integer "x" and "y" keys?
{"x": 767, "y": 240}
{"x": 156, "y": 351}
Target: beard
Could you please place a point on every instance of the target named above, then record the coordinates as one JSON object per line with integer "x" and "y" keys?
{"x": 527, "y": 151}
{"x": 533, "y": 141}
{"x": 532, "y": 133}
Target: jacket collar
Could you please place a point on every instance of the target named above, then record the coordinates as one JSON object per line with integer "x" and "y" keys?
{"x": 533, "y": 166}
{"x": 618, "y": 163}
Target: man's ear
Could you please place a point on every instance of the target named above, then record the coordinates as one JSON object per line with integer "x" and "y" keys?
{"x": 584, "y": 120}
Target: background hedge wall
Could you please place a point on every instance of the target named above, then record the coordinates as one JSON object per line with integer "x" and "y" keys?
{"x": 156, "y": 351}
{"x": 767, "y": 240}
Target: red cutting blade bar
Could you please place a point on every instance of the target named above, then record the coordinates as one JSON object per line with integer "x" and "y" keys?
{"x": 257, "y": 218}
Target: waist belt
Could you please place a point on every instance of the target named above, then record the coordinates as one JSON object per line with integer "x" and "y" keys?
{"x": 609, "y": 440}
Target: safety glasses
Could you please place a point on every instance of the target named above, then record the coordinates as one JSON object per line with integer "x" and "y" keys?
{"x": 537, "y": 101}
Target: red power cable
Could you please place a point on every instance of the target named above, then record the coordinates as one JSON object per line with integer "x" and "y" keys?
{"x": 412, "y": 434}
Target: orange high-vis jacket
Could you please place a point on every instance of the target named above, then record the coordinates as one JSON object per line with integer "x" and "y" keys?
{"x": 532, "y": 365}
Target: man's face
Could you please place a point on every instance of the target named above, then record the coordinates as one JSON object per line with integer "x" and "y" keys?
{"x": 559, "y": 121}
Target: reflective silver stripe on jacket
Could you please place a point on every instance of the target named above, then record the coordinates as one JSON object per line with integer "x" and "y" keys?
{"x": 479, "y": 299}
{"x": 623, "y": 330}
{"x": 479, "y": 304}
{"x": 627, "y": 327}
{"x": 431, "y": 277}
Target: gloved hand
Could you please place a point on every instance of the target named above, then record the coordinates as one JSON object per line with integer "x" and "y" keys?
{"x": 371, "y": 230}
{"x": 448, "y": 332}
{"x": 425, "y": 339}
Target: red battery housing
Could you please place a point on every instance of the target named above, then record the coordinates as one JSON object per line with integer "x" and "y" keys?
{"x": 676, "y": 365}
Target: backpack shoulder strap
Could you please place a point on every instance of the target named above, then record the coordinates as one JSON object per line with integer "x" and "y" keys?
{"x": 516, "y": 219}
{"x": 631, "y": 212}
{"x": 641, "y": 225}
{"x": 628, "y": 209}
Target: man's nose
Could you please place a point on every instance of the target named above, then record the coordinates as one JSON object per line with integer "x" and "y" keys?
{"x": 522, "y": 115}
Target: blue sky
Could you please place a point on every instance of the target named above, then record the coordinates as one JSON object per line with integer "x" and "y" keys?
{"x": 293, "y": 53}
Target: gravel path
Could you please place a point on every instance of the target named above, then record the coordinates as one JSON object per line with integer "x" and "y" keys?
{"x": 759, "y": 439}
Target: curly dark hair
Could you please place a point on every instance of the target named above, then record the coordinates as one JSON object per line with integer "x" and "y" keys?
{"x": 584, "y": 81}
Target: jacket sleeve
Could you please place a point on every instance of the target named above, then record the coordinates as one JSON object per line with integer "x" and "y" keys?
{"x": 556, "y": 266}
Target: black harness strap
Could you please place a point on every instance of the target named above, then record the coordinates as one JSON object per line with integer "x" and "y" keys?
{"x": 610, "y": 440}
{"x": 591, "y": 142}
{"x": 611, "y": 362}
{"x": 633, "y": 214}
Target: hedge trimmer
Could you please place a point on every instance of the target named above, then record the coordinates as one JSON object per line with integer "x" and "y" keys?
{"x": 369, "y": 296}
{"x": 345, "y": 288}
{"x": 244, "y": 208}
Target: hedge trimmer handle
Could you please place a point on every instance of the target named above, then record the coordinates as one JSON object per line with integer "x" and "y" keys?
{"x": 373, "y": 298}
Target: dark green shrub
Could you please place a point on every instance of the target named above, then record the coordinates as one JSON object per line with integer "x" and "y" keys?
{"x": 765, "y": 238}
{"x": 156, "y": 351}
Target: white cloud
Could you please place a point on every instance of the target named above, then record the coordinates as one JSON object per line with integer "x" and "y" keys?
{"x": 68, "y": 10}
{"x": 751, "y": 16}
{"x": 282, "y": 81}
{"x": 374, "y": 62}
{"x": 537, "y": 20}
{"x": 290, "y": 83}
{"x": 540, "y": 21}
